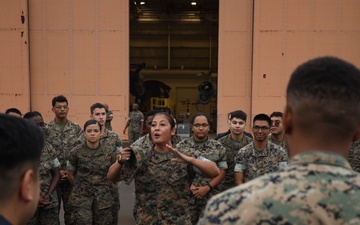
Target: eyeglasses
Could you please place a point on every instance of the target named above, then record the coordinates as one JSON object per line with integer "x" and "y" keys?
{"x": 276, "y": 123}
{"x": 257, "y": 128}
{"x": 201, "y": 124}
{"x": 61, "y": 107}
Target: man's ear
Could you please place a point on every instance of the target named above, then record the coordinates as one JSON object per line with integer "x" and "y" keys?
{"x": 287, "y": 120}
{"x": 27, "y": 185}
{"x": 53, "y": 110}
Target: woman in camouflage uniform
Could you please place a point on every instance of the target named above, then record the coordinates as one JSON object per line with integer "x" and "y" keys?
{"x": 161, "y": 185}
{"x": 88, "y": 163}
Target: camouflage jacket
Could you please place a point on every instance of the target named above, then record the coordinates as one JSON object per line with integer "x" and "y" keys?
{"x": 145, "y": 142}
{"x": 354, "y": 155}
{"x": 282, "y": 143}
{"x": 135, "y": 119}
{"x": 48, "y": 162}
{"x": 315, "y": 188}
{"x": 254, "y": 163}
{"x": 209, "y": 149}
{"x": 161, "y": 188}
{"x": 62, "y": 140}
{"x": 108, "y": 122}
{"x": 232, "y": 148}
{"x": 91, "y": 167}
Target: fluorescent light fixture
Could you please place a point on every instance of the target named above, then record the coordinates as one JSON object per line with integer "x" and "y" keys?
{"x": 142, "y": 3}
{"x": 193, "y": 3}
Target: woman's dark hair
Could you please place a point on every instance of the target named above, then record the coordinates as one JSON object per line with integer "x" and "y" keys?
{"x": 169, "y": 118}
{"x": 200, "y": 114}
{"x": 90, "y": 122}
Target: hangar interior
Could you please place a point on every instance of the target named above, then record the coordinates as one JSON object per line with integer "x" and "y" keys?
{"x": 174, "y": 56}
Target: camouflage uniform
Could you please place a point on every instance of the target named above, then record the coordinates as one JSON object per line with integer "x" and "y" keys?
{"x": 108, "y": 123}
{"x": 145, "y": 142}
{"x": 161, "y": 187}
{"x": 232, "y": 148}
{"x": 112, "y": 141}
{"x": 255, "y": 163}
{"x": 354, "y": 155}
{"x": 63, "y": 139}
{"x": 315, "y": 188}
{"x": 48, "y": 214}
{"x": 91, "y": 198}
{"x": 134, "y": 128}
{"x": 282, "y": 143}
{"x": 209, "y": 149}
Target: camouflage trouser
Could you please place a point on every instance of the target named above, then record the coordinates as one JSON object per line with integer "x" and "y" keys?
{"x": 196, "y": 208}
{"x": 63, "y": 192}
{"x": 133, "y": 135}
{"x": 116, "y": 206}
{"x": 45, "y": 216}
{"x": 91, "y": 215}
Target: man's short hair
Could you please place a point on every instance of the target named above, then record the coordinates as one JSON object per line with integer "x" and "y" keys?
{"x": 238, "y": 114}
{"x": 262, "y": 117}
{"x": 60, "y": 98}
{"x": 276, "y": 114}
{"x": 21, "y": 144}
{"x": 13, "y": 110}
{"x": 95, "y": 106}
{"x": 324, "y": 96}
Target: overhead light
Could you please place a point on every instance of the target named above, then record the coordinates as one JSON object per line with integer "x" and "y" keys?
{"x": 193, "y": 3}
{"x": 142, "y": 3}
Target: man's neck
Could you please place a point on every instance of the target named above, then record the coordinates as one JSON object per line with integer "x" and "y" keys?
{"x": 260, "y": 145}
{"x": 10, "y": 213}
{"x": 237, "y": 137}
{"x": 278, "y": 137}
{"x": 61, "y": 120}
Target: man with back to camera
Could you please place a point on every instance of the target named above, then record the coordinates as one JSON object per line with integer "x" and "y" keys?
{"x": 21, "y": 143}
{"x": 63, "y": 135}
{"x": 318, "y": 186}
{"x": 260, "y": 156}
{"x": 277, "y": 132}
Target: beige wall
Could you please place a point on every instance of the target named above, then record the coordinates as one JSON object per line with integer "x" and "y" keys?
{"x": 286, "y": 33}
{"x": 81, "y": 49}
{"x": 14, "y": 55}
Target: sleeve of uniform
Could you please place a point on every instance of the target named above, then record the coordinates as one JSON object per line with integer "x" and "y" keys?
{"x": 118, "y": 145}
{"x": 239, "y": 161}
{"x": 222, "y": 164}
{"x": 283, "y": 158}
{"x": 128, "y": 172}
{"x": 71, "y": 162}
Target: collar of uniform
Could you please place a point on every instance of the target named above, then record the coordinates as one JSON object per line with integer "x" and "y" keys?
{"x": 320, "y": 157}
{"x": 56, "y": 126}
{"x": 262, "y": 153}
